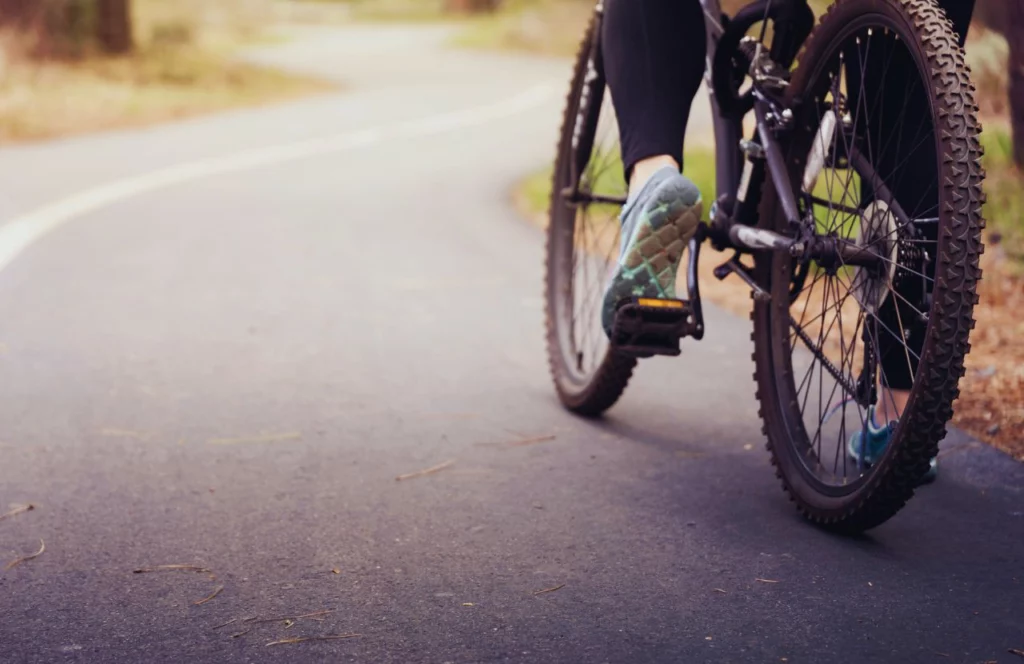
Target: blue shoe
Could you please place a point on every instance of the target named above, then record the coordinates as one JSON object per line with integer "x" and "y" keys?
{"x": 869, "y": 448}
{"x": 656, "y": 227}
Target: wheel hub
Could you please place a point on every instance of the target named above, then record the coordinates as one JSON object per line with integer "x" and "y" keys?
{"x": 879, "y": 232}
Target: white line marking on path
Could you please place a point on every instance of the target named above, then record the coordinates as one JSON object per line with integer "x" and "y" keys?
{"x": 21, "y": 232}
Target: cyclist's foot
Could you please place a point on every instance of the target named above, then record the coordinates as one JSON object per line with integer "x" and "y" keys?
{"x": 872, "y": 446}
{"x": 657, "y": 224}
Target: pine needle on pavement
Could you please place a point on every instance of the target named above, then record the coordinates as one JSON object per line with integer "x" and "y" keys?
{"x": 548, "y": 590}
{"x": 171, "y": 568}
{"x": 283, "y": 618}
{"x": 427, "y": 471}
{"x": 17, "y": 561}
{"x": 301, "y": 639}
{"x": 216, "y": 591}
{"x": 18, "y": 510}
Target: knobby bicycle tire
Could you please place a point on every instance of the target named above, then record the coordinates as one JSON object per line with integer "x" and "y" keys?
{"x": 597, "y": 392}
{"x": 929, "y": 38}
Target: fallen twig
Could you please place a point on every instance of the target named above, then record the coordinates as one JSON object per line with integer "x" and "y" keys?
{"x": 427, "y": 471}
{"x": 719, "y": 590}
{"x": 171, "y": 568}
{"x": 230, "y": 622}
{"x": 766, "y": 580}
{"x": 216, "y": 591}
{"x": 300, "y": 639}
{"x": 18, "y": 510}
{"x": 238, "y": 634}
{"x": 1016, "y": 651}
{"x": 17, "y": 561}
{"x": 548, "y": 590}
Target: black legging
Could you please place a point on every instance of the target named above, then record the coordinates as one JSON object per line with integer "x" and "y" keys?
{"x": 654, "y": 60}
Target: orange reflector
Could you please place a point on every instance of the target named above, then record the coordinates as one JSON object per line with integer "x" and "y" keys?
{"x": 660, "y": 304}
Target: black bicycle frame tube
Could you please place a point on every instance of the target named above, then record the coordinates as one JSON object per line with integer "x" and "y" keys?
{"x": 776, "y": 164}
{"x": 728, "y": 131}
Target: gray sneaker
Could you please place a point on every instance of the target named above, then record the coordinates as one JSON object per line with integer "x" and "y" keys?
{"x": 656, "y": 227}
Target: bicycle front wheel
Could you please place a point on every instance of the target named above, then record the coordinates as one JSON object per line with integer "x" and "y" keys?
{"x": 588, "y": 189}
{"x": 883, "y": 151}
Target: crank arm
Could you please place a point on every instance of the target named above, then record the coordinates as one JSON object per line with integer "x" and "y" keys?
{"x": 733, "y": 266}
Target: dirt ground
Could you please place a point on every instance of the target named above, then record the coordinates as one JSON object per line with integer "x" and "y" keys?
{"x": 991, "y": 404}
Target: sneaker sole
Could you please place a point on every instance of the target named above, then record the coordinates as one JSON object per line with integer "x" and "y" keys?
{"x": 651, "y": 264}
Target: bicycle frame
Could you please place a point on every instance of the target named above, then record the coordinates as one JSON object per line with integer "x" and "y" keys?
{"x": 728, "y": 131}
{"x": 736, "y": 178}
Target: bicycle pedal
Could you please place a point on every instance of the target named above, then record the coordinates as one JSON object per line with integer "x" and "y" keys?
{"x": 645, "y": 327}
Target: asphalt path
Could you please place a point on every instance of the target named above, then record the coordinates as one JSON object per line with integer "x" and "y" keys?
{"x": 225, "y": 338}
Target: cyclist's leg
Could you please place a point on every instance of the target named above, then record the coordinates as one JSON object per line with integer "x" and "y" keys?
{"x": 654, "y": 61}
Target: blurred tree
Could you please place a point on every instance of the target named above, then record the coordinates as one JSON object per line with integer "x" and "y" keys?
{"x": 49, "y": 28}
{"x": 67, "y": 28}
{"x": 114, "y": 26}
{"x": 20, "y": 14}
{"x": 1007, "y": 18}
{"x": 1015, "y": 37}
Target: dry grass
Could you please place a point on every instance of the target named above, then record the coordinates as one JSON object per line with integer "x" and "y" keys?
{"x": 987, "y": 55}
{"x": 395, "y": 10}
{"x": 44, "y": 100}
{"x": 200, "y": 22}
{"x": 548, "y": 28}
{"x": 184, "y": 66}
{"x": 991, "y": 404}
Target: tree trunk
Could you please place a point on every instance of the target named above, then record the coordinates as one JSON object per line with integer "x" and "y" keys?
{"x": 114, "y": 26}
{"x": 47, "y": 28}
{"x": 1014, "y": 32}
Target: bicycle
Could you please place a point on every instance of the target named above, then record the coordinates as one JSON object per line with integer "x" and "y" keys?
{"x": 842, "y": 273}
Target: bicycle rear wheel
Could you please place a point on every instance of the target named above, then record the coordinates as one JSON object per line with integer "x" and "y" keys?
{"x": 588, "y": 189}
{"x": 884, "y": 151}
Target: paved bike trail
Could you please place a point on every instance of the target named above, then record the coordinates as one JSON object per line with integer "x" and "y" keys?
{"x": 231, "y": 368}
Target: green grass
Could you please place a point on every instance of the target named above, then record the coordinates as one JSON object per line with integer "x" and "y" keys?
{"x": 1004, "y": 187}
{"x": 535, "y": 189}
{"x": 547, "y": 27}
{"x": 832, "y": 186}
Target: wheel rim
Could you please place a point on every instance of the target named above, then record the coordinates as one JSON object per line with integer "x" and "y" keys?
{"x": 837, "y": 321}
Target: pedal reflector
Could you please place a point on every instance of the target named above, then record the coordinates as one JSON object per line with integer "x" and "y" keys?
{"x": 661, "y": 304}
